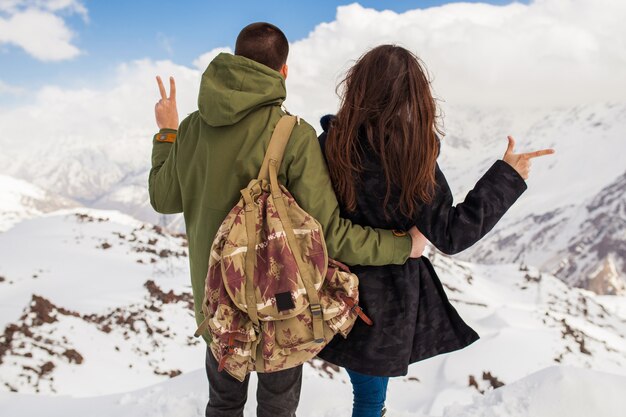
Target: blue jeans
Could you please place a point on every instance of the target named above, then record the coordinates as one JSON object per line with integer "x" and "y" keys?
{"x": 369, "y": 392}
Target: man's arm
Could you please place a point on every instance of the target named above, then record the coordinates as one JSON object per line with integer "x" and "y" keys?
{"x": 309, "y": 182}
{"x": 163, "y": 183}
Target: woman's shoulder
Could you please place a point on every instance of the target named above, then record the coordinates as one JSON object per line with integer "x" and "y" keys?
{"x": 325, "y": 122}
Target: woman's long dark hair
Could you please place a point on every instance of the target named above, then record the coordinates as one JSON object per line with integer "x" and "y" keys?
{"x": 387, "y": 98}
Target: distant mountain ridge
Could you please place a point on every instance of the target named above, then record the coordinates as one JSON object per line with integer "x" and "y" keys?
{"x": 21, "y": 200}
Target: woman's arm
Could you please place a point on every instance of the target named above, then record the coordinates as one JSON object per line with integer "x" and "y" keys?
{"x": 453, "y": 229}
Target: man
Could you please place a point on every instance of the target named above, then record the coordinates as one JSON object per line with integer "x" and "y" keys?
{"x": 200, "y": 168}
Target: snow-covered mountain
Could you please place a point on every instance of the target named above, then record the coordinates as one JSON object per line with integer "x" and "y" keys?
{"x": 555, "y": 225}
{"x": 571, "y": 221}
{"x": 94, "y": 303}
{"x": 85, "y": 292}
{"x": 584, "y": 245}
{"x": 21, "y": 200}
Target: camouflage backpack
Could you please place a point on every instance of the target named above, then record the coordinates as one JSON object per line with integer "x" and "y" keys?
{"x": 273, "y": 298}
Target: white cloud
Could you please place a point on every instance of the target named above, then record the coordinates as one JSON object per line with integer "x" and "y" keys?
{"x": 205, "y": 59}
{"x": 116, "y": 110}
{"x": 547, "y": 53}
{"x": 73, "y": 6}
{"x": 34, "y": 26}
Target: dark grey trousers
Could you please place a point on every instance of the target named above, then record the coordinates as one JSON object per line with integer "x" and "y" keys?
{"x": 277, "y": 394}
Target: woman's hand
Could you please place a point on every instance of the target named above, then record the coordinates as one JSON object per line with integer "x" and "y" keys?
{"x": 165, "y": 109}
{"x": 418, "y": 242}
{"x": 521, "y": 161}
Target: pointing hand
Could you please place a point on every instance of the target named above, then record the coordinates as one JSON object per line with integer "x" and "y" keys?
{"x": 521, "y": 161}
{"x": 165, "y": 109}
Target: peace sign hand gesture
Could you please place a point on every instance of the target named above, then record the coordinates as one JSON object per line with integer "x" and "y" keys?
{"x": 521, "y": 161}
{"x": 165, "y": 109}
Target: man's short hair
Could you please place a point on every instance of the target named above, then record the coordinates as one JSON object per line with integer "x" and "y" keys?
{"x": 264, "y": 43}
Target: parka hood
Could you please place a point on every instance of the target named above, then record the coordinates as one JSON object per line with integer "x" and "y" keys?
{"x": 233, "y": 86}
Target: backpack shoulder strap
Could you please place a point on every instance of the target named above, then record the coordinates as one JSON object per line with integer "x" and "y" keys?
{"x": 277, "y": 145}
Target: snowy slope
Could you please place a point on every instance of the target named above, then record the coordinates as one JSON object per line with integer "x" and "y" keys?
{"x": 551, "y": 392}
{"x": 89, "y": 293}
{"x": 84, "y": 292}
{"x": 21, "y": 200}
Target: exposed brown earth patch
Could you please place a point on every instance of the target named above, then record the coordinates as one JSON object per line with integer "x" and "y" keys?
{"x": 492, "y": 381}
{"x": 41, "y": 351}
{"x": 86, "y": 218}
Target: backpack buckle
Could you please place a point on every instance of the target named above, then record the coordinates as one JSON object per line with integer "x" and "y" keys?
{"x": 316, "y": 309}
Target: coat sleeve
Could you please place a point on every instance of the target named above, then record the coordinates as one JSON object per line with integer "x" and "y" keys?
{"x": 309, "y": 182}
{"x": 452, "y": 229}
{"x": 163, "y": 182}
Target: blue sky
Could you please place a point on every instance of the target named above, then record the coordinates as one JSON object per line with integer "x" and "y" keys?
{"x": 119, "y": 31}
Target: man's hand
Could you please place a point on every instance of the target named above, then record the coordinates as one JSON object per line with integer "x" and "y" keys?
{"x": 418, "y": 242}
{"x": 165, "y": 109}
{"x": 521, "y": 161}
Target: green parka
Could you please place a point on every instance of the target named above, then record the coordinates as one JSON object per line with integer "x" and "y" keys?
{"x": 220, "y": 147}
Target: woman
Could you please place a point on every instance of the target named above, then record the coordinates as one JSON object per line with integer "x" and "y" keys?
{"x": 381, "y": 150}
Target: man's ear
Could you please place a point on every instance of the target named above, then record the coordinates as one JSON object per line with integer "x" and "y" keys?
{"x": 284, "y": 70}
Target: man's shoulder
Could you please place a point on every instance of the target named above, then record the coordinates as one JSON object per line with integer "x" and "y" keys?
{"x": 303, "y": 144}
{"x": 303, "y": 131}
{"x": 190, "y": 119}
{"x": 187, "y": 125}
